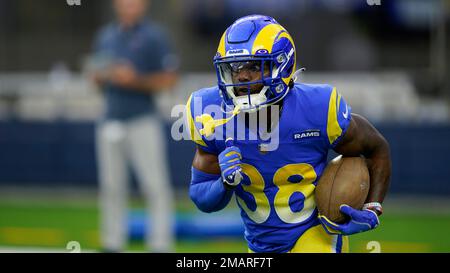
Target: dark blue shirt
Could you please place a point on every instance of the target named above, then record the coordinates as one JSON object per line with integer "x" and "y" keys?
{"x": 146, "y": 48}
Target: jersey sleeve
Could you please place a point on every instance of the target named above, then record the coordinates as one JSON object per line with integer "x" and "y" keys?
{"x": 338, "y": 119}
{"x": 193, "y": 109}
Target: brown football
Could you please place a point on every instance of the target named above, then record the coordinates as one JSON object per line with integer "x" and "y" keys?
{"x": 345, "y": 180}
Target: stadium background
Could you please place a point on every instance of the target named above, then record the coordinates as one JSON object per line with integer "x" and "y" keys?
{"x": 390, "y": 61}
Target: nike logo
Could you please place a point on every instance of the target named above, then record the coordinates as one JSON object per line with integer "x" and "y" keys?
{"x": 345, "y": 114}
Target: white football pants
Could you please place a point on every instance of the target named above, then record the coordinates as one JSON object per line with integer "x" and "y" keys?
{"x": 139, "y": 143}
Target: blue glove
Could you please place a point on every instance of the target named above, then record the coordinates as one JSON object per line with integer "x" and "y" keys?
{"x": 360, "y": 221}
{"x": 230, "y": 164}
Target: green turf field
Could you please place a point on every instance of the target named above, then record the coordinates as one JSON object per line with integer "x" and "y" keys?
{"x": 46, "y": 223}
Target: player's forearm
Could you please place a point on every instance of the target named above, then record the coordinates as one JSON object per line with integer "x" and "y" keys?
{"x": 208, "y": 192}
{"x": 363, "y": 138}
{"x": 379, "y": 165}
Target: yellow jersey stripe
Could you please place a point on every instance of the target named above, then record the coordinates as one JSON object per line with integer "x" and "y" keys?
{"x": 333, "y": 128}
{"x": 195, "y": 136}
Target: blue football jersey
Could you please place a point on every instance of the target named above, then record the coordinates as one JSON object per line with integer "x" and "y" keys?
{"x": 276, "y": 196}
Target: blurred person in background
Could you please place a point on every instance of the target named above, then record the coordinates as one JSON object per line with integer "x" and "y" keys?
{"x": 136, "y": 63}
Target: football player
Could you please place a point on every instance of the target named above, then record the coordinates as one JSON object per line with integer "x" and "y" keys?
{"x": 274, "y": 182}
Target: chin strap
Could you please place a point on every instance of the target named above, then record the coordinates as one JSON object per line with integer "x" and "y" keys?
{"x": 209, "y": 123}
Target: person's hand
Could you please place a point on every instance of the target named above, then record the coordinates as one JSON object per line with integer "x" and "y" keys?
{"x": 359, "y": 221}
{"x": 97, "y": 78}
{"x": 230, "y": 164}
{"x": 123, "y": 74}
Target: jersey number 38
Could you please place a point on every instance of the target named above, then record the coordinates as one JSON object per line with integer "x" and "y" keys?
{"x": 285, "y": 190}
